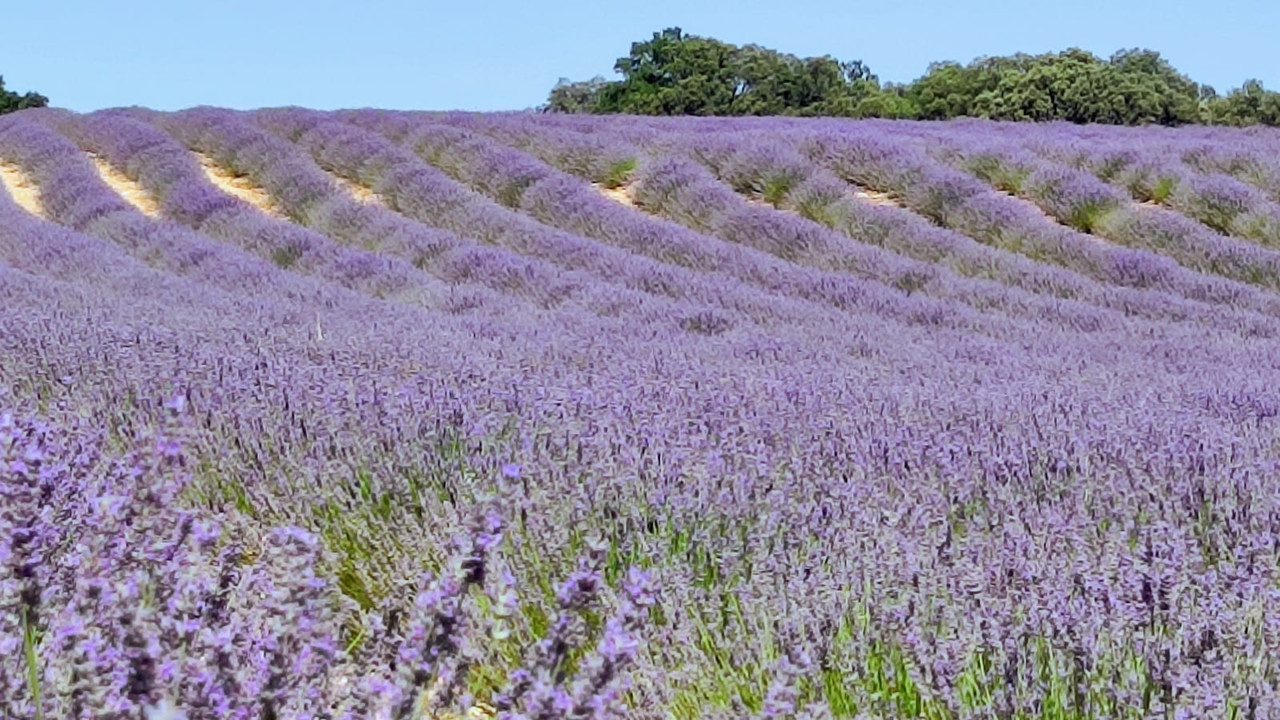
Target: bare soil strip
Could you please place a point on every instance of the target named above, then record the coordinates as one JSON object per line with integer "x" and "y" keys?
{"x": 21, "y": 189}
{"x": 875, "y": 197}
{"x": 239, "y": 186}
{"x": 126, "y": 187}
{"x": 358, "y": 191}
{"x": 618, "y": 194}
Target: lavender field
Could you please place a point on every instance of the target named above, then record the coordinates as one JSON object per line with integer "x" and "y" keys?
{"x": 379, "y": 414}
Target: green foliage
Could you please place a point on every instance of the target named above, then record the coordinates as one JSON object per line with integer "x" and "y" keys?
{"x": 777, "y": 188}
{"x": 1162, "y": 188}
{"x": 618, "y": 173}
{"x": 890, "y": 102}
{"x": 30, "y": 645}
{"x": 1134, "y": 87}
{"x": 1250, "y": 104}
{"x": 12, "y": 102}
{"x": 286, "y": 257}
{"x": 574, "y": 97}
{"x": 1089, "y": 217}
{"x": 998, "y": 173}
{"x": 674, "y": 73}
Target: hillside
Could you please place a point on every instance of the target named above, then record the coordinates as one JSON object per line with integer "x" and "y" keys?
{"x": 376, "y": 413}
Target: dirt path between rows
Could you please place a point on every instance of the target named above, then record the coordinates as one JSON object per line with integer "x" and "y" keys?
{"x": 126, "y": 187}
{"x": 875, "y": 197}
{"x": 359, "y": 192}
{"x": 618, "y": 194}
{"x": 239, "y": 186}
{"x": 21, "y": 189}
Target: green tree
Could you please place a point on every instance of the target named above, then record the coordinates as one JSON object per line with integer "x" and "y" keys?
{"x": 1133, "y": 87}
{"x": 1250, "y": 104}
{"x": 1179, "y": 95}
{"x": 11, "y": 101}
{"x": 574, "y": 97}
{"x": 890, "y": 101}
{"x": 674, "y": 73}
{"x": 772, "y": 83}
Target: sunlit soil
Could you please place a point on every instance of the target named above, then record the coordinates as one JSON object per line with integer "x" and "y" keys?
{"x": 358, "y": 191}
{"x": 21, "y": 189}
{"x": 239, "y": 186}
{"x": 126, "y": 187}
{"x": 875, "y": 198}
{"x": 618, "y": 194}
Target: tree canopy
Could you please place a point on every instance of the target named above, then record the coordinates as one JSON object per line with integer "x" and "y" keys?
{"x": 11, "y": 101}
{"x": 676, "y": 73}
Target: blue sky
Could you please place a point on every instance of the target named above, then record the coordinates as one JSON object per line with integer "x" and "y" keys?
{"x": 506, "y": 54}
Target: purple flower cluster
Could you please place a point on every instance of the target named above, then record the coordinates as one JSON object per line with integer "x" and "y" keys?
{"x": 117, "y": 600}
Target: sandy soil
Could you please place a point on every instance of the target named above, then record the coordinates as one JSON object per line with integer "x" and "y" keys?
{"x": 479, "y": 712}
{"x": 126, "y": 187}
{"x": 618, "y": 194}
{"x": 358, "y": 191}
{"x": 240, "y": 187}
{"x": 20, "y": 188}
{"x": 875, "y": 198}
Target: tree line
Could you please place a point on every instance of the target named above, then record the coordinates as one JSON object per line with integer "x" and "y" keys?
{"x": 11, "y": 101}
{"x": 676, "y": 73}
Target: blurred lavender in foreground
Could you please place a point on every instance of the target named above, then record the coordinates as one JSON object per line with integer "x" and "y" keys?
{"x": 117, "y": 601}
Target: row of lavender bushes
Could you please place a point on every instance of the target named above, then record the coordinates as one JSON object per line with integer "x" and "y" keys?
{"x": 1079, "y": 199}
{"x": 712, "y": 212}
{"x": 884, "y": 157}
{"x": 756, "y": 162}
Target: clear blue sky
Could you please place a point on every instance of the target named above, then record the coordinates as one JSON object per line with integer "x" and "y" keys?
{"x": 506, "y": 54}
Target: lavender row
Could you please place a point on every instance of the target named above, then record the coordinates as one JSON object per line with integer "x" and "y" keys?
{"x": 1187, "y": 175}
{"x": 1080, "y": 199}
{"x": 796, "y": 184}
{"x": 195, "y": 201}
{"x": 312, "y": 198}
{"x": 653, "y": 304}
{"x": 691, "y": 197}
{"x": 873, "y": 155}
{"x": 172, "y": 175}
{"x": 953, "y": 198}
{"x": 573, "y": 205}
{"x": 72, "y": 194}
{"x": 732, "y": 153}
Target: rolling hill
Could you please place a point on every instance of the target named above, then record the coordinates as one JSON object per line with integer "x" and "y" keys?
{"x": 333, "y": 414}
